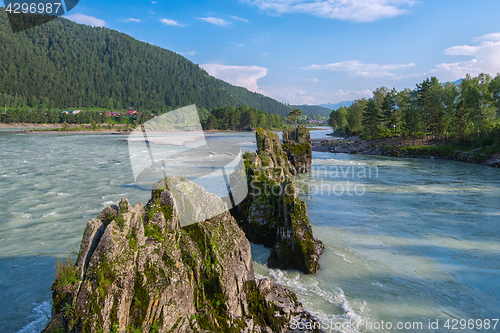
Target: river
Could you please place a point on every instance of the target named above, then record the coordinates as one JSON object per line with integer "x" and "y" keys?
{"x": 407, "y": 240}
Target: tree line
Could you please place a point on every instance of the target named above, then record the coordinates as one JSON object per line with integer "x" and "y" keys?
{"x": 226, "y": 118}
{"x": 467, "y": 112}
{"x": 241, "y": 118}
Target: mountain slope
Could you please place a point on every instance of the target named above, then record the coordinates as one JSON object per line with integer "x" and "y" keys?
{"x": 309, "y": 110}
{"x": 62, "y": 64}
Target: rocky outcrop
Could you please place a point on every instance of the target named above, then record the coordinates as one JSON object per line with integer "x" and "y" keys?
{"x": 138, "y": 270}
{"x": 272, "y": 214}
{"x": 298, "y": 147}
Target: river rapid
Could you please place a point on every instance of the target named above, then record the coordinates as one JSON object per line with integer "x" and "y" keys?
{"x": 408, "y": 241}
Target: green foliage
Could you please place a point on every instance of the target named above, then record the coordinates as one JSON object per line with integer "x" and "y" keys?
{"x": 465, "y": 113}
{"x": 241, "y": 118}
{"x": 66, "y": 277}
{"x": 62, "y": 64}
{"x": 371, "y": 117}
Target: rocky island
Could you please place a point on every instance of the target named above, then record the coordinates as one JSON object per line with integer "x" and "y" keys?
{"x": 138, "y": 270}
{"x": 272, "y": 214}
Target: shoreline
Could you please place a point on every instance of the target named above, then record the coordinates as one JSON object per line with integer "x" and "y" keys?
{"x": 57, "y": 128}
{"x": 401, "y": 147}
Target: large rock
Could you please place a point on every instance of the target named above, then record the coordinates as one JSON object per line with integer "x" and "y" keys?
{"x": 139, "y": 270}
{"x": 272, "y": 214}
{"x": 298, "y": 147}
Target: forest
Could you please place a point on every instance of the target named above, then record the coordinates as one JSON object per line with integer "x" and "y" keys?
{"x": 465, "y": 112}
{"x": 241, "y": 118}
{"x": 63, "y": 65}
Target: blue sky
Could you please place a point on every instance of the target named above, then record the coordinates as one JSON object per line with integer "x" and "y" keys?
{"x": 315, "y": 51}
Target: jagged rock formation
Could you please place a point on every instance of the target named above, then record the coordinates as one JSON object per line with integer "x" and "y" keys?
{"x": 272, "y": 214}
{"x": 139, "y": 271}
{"x": 298, "y": 146}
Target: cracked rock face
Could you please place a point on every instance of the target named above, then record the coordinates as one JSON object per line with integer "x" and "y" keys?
{"x": 272, "y": 214}
{"x": 139, "y": 270}
{"x": 298, "y": 146}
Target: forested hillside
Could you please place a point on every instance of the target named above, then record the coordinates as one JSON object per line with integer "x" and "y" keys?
{"x": 62, "y": 64}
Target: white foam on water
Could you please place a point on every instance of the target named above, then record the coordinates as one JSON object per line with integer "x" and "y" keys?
{"x": 60, "y": 194}
{"x": 107, "y": 203}
{"x": 40, "y": 318}
{"x": 50, "y": 214}
{"x": 347, "y": 322}
{"x": 114, "y": 195}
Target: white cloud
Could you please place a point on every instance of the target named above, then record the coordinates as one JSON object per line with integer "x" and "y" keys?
{"x": 191, "y": 53}
{"x": 494, "y": 37}
{"x": 353, "y": 10}
{"x": 300, "y": 96}
{"x": 358, "y": 68}
{"x": 85, "y": 19}
{"x": 313, "y": 80}
{"x": 238, "y": 18}
{"x": 171, "y": 22}
{"x": 243, "y": 76}
{"x": 485, "y": 59}
{"x": 216, "y": 21}
{"x": 291, "y": 95}
{"x": 133, "y": 20}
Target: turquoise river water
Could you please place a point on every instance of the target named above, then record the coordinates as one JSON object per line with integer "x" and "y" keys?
{"x": 412, "y": 243}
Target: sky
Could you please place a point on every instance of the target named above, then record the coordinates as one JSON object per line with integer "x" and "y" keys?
{"x": 315, "y": 51}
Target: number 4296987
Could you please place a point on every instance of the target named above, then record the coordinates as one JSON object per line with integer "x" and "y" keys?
{"x": 462, "y": 324}
{"x": 33, "y": 8}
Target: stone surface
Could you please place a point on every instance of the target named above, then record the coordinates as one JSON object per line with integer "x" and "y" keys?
{"x": 272, "y": 214}
{"x": 139, "y": 270}
{"x": 298, "y": 147}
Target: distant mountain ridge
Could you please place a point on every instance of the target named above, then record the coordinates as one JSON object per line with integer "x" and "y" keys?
{"x": 336, "y": 105}
{"x": 309, "y": 110}
{"x": 62, "y": 64}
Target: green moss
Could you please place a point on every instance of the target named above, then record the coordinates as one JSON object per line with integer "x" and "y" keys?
{"x": 263, "y": 314}
{"x": 103, "y": 276}
{"x": 120, "y": 221}
{"x": 122, "y": 207}
{"x": 154, "y": 231}
{"x": 299, "y": 148}
{"x": 132, "y": 240}
{"x": 108, "y": 218}
{"x": 140, "y": 302}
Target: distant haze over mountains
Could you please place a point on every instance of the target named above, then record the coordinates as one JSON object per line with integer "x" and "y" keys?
{"x": 336, "y": 105}
{"x": 323, "y": 110}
